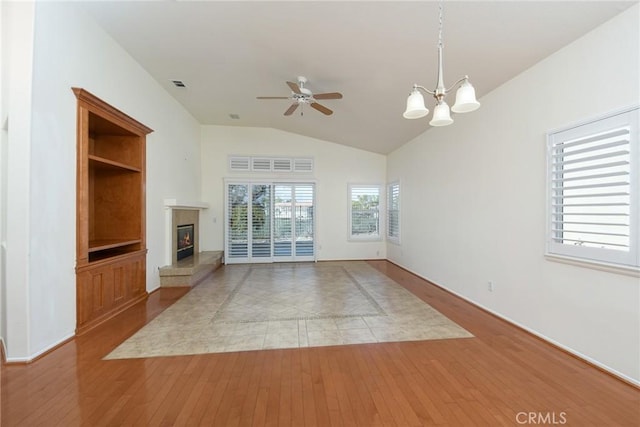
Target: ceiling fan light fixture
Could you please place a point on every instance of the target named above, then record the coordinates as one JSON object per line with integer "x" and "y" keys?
{"x": 300, "y": 96}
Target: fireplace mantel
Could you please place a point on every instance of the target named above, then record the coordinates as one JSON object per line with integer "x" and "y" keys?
{"x": 184, "y": 204}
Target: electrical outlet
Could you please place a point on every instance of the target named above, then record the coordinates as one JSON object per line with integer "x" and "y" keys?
{"x": 490, "y": 286}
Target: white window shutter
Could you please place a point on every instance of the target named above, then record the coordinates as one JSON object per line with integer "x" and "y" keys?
{"x": 282, "y": 165}
{"x": 239, "y": 164}
{"x": 393, "y": 212}
{"x": 303, "y": 165}
{"x": 593, "y": 200}
{"x": 261, "y": 164}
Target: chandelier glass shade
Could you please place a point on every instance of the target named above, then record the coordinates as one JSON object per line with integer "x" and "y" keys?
{"x": 465, "y": 96}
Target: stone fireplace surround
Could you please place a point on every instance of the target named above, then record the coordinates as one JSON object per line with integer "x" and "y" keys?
{"x": 180, "y": 213}
{"x": 191, "y": 270}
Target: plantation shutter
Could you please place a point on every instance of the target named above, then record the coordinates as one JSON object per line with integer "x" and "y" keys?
{"x": 261, "y": 220}
{"x": 591, "y": 190}
{"x": 269, "y": 222}
{"x": 304, "y": 205}
{"x": 239, "y": 164}
{"x": 259, "y": 164}
{"x": 393, "y": 212}
{"x": 282, "y": 165}
{"x": 238, "y": 221}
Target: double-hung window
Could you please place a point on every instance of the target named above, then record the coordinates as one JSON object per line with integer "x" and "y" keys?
{"x": 393, "y": 212}
{"x": 594, "y": 190}
{"x": 364, "y": 212}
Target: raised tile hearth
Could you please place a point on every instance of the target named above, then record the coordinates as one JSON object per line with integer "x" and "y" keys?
{"x": 190, "y": 271}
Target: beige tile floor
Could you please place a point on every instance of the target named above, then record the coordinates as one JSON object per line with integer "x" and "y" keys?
{"x": 269, "y": 306}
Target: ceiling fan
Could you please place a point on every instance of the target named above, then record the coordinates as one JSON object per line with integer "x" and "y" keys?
{"x": 302, "y": 95}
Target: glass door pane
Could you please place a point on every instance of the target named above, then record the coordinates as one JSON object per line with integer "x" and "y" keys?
{"x": 270, "y": 222}
{"x": 237, "y": 222}
{"x": 261, "y": 221}
{"x": 304, "y": 220}
{"x": 282, "y": 221}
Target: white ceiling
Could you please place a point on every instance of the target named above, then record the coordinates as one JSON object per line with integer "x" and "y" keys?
{"x": 227, "y": 53}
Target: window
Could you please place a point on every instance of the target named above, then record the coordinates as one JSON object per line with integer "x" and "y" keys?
{"x": 270, "y": 164}
{"x": 364, "y": 212}
{"x": 593, "y": 175}
{"x": 393, "y": 212}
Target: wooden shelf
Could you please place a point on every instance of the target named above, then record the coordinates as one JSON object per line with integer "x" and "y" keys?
{"x": 103, "y": 244}
{"x": 102, "y": 163}
{"x": 110, "y": 211}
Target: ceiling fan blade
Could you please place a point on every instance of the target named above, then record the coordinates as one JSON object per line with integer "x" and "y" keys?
{"x": 272, "y": 97}
{"x": 321, "y": 108}
{"x": 294, "y": 87}
{"x": 291, "y": 109}
{"x": 331, "y": 95}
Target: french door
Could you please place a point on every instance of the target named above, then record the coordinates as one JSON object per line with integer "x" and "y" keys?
{"x": 269, "y": 222}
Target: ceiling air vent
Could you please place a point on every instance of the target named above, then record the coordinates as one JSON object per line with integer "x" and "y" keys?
{"x": 178, "y": 83}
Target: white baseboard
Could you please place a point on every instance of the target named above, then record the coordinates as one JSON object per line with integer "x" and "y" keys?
{"x": 543, "y": 337}
{"x": 39, "y": 353}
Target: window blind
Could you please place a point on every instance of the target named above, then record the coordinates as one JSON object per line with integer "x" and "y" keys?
{"x": 238, "y": 217}
{"x": 393, "y": 212}
{"x": 591, "y": 190}
{"x": 270, "y": 164}
{"x": 593, "y": 200}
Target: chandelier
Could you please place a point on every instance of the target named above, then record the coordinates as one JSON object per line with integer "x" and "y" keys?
{"x": 465, "y": 96}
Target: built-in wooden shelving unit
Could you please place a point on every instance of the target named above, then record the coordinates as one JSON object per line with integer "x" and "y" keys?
{"x": 110, "y": 219}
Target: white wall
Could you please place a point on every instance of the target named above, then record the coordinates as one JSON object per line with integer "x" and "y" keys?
{"x": 473, "y": 201}
{"x": 17, "y": 53}
{"x": 335, "y": 167}
{"x": 71, "y": 50}
{"x": 4, "y": 136}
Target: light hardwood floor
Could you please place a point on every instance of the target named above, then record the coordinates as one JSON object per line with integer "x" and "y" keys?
{"x": 502, "y": 376}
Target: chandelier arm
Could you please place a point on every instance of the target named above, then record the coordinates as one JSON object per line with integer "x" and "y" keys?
{"x": 456, "y": 84}
{"x": 424, "y": 89}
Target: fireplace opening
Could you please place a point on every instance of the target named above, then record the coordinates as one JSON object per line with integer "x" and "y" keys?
{"x": 186, "y": 240}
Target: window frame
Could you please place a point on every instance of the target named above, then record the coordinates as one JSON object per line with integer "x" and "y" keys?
{"x": 393, "y": 238}
{"x": 365, "y": 237}
{"x": 613, "y": 260}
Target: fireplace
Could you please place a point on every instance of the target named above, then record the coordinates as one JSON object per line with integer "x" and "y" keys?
{"x": 178, "y": 214}
{"x": 185, "y": 241}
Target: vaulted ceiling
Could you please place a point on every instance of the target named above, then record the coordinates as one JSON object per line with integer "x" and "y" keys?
{"x": 228, "y": 53}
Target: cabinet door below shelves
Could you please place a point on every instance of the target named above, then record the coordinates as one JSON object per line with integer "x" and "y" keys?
{"x": 108, "y": 288}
